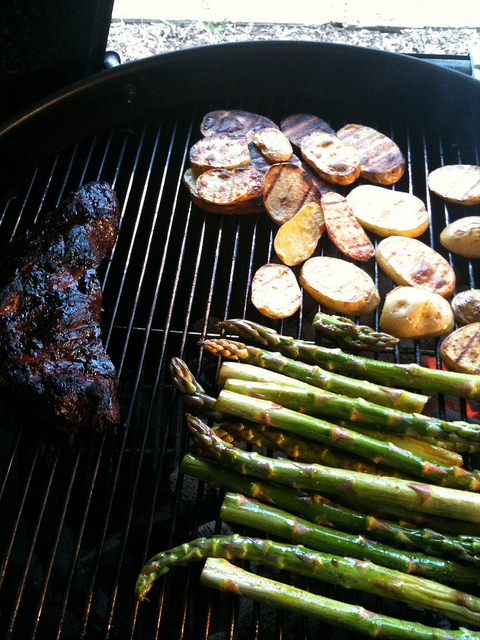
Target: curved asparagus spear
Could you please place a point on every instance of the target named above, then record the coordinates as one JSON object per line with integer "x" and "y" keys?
{"x": 192, "y": 392}
{"x": 308, "y": 426}
{"x": 451, "y": 503}
{"x": 314, "y": 375}
{"x": 358, "y": 336}
{"x": 220, "y": 574}
{"x": 349, "y": 573}
{"x": 411, "y": 376}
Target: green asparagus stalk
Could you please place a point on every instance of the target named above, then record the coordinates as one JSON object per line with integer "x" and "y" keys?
{"x": 427, "y": 498}
{"x": 376, "y": 451}
{"x": 220, "y": 574}
{"x": 321, "y": 511}
{"x": 410, "y": 376}
{"x": 349, "y": 573}
{"x": 352, "y": 335}
{"x": 191, "y": 391}
{"x": 314, "y": 375}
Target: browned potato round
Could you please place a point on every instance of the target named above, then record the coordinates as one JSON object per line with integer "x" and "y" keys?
{"x": 274, "y": 144}
{"x": 230, "y": 186}
{"x": 463, "y": 237}
{"x": 297, "y": 239}
{"x": 413, "y": 313}
{"x": 218, "y": 152}
{"x": 458, "y": 183}
{"x": 299, "y": 125}
{"x": 254, "y": 205}
{"x": 466, "y": 306}
{"x": 460, "y": 350}
{"x": 235, "y": 123}
{"x": 341, "y": 286}
{"x": 331, "y": 158}
{"x": 275, "y": 291}
{"x": 410, "y": 262}
{"x": 286, "y": 189}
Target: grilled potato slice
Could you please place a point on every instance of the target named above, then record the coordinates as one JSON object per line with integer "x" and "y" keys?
{"x": 331, "y": 158}
{"x": 254, "y": 205}
{"x": 463, "y": 237}
{"x": 458, "y": 183}
{"x": 274, "y": 144}
{"x": 286, "y": 189}
{"x": 460, "y": 351}
{"x": 382, "y": 160}
{"x": 234, "y": 123}
{"x": 275, "y": 291}
{"x": 341, "y": 286}
{"x": 218, "y": 152}
{"x": 297, "y": 239}
{"x": 387, "y": 212}
{"x": 343, "y": 228}
{"x": 466, "y": 306}
{"x": 410, "y": 262}
{"x": 299, "y": 125}
{"x": 230, "y": 186}
{"x": 409, "y": 312}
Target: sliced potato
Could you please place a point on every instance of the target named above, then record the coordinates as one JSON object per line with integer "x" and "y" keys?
{"x": 255, "y": 205}
{"x": 234, "y": 123}
{"x": 259, "y": 161}
{"x": 218, "y": 152}
{"x": 230, "y": 186}
{"x": 275, "y": 291}
{"x": 410, "y": 262}
{"x": 343, "y": 228}
{"x": 387, "y": 212}
{"x": 460, "y": 350}
{"x": 297, "y": 239}
{"x": 274, "y": 144}
{"x": 331, "y": 158}
{"x": 286, "y": 189}
{"x": 299, "y": 125}
{"x": 382, "y": 160}
{"x": 466, "y": 306}
{"x": 409, "y": 312}
{"x": 339, "y": 285}
{"x": 458, "y": 183}
{"x": 463, "y": 237}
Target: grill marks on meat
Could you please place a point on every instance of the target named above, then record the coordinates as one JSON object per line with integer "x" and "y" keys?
{"x": 51, "y": 354}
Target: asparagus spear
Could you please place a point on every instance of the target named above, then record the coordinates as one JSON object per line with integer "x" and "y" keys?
{"x": 349, "y": 573}
{"x": 386, "y": 396}
{"x": 220, "y": 574}
{"x": 358, "y": 336}
{"x": 272, "y": 413}
{"x": 411, "y": 376}
{"x": 321, "y": 511}
{"x": 451, "y": 503}
{"x": 192, "y": 392}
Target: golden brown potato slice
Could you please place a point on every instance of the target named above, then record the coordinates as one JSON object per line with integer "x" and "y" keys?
{"x": 466, "y": 306}
{"x": 297, "y": 239}
{"x": 463, "y": 237}
{"x": 255, "y": 205}
{"x": 339, "y": 285}
{"x": 274, "y": 144}
{"x": 331, "y": 158}
{"x": 413, "y": 313}
{"x": 299, "y": 125}
{"x": 382, "y": 160}
{"x": 234, "y": 123}
{"x": 259, "y": 161}
{"x": 387, "y": 212}
{"x": 230, "y": 186}
{"x": 275, "y": 291}
{"x": 343, "y": 228}
{"x": 460, "y": 351}
{"x": 458, "y": 183}
{"x": 286, "y": 190}
{"x": 218, "y": 152}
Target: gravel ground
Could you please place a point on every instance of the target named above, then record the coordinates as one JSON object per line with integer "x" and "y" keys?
{"x": 136, "y": 40}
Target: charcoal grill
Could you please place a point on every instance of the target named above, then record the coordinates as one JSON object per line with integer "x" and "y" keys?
{"x": 81, "y": 514}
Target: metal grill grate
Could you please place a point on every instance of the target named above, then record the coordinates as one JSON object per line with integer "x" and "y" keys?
{"x": 80, "y": 515}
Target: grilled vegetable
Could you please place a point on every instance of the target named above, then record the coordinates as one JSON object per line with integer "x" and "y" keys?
{"x": 299, "y": 125}
{"x": 387, "y": 212}
{"x": 412, "y": 263}
{"x": 466, "y": 306}
{"x": 297, "y": 239}
{"x": 357, "y": 336}
{"x": 458, "y": 183}
{"x": 463, "y": 236}
{"x": 218, "y": 152}
{"x": 274, "y": 144}
{"x": 410, "y": 312}
{"x": 235, "y": 123}
{"x": 343, "y": 228}
{"x": 382, "y": 160}
{"x": 331, "y": 158}
{"x": 286, "y": 189}
{"x": 275, "y": 291}
{"x": 341, "y": 286}
{"x": 229, "y": 186}
{"x": 460, "y": 350}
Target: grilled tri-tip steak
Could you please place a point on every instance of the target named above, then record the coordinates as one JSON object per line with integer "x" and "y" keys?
{"x": 51, "y": 354}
